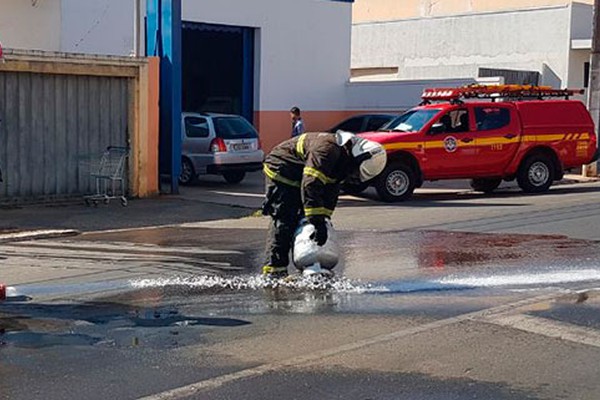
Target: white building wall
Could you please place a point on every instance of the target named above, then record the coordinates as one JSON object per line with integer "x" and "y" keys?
{"x": 304, "y": 47}
{"x": 577, "y": 61}
{"x": 581, "y": 21}
{"x": 581, "y": 30}
{"x": 456, "y": 46}
{"x": 97, "y": 26}
{"x": 30, "y": 24}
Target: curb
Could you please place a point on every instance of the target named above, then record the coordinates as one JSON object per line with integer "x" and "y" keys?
{"x": 570, "y": 179}
{"x": 37, "y": 235}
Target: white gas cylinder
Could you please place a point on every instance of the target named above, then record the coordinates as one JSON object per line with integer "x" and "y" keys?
{"x": 306, "y": 252}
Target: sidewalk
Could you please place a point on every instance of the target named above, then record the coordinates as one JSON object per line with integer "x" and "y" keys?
{"x": 163, "y": 210}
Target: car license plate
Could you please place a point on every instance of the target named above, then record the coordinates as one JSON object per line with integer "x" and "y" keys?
{"x": 240, "y": 146}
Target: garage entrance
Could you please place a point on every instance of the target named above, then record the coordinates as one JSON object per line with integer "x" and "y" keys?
{"x": 218, "y": 69}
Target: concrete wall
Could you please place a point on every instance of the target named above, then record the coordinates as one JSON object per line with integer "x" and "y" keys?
{"x": 577, "y": 60}
{"x": 582, "y": 19}
{"x": 393, "y": 96}
{"x": 455, "y": 47}
{"x": 97, "y": 26}
{"x": 30, "y": 24}
{"x": 392, "y": 10}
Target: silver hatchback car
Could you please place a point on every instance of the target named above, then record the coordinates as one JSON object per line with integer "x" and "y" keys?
{"x": 218, "y": 144}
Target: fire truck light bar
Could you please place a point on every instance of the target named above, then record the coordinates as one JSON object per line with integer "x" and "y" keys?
{"x": 496, "y": 91}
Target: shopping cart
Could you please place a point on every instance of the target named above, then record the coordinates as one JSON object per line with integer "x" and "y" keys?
{"x": 108, "y": 176}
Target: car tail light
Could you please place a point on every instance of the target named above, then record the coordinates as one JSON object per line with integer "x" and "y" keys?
{"x": 259, "y": 144}
{"x": 218, "y": 146}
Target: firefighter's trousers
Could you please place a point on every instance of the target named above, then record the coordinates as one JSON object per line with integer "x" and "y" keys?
{"x": 284, "y": 204}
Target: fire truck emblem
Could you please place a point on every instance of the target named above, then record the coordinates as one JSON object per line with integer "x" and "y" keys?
{"x": 450, "y": 144}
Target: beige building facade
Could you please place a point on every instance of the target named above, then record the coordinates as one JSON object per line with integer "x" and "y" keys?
{"x": 544, "y": 44}
{"x": 392, "y": 10}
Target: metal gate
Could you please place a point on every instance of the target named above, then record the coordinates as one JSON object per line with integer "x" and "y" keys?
{"x": 52, "y": 126}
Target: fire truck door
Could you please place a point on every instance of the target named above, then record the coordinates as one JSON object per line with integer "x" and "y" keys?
{"x": 450, "y": 145}
{"x": 497, "y": 137}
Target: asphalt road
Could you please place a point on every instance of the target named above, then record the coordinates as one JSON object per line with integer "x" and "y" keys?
{"x": 454, "y": 295}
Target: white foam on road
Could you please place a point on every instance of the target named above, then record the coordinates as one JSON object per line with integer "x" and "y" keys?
{"x": 525, "y": 279}
{"x": 346, "y": 285}
{"x": 520, "y": 280}
{"x": 254, "y": 282}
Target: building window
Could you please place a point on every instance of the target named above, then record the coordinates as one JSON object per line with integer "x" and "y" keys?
{"x": 586, "y": 75}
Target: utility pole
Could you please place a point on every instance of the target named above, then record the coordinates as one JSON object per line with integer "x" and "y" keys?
{"x": 137, "y": 28}
{"x": 594, "y": 84}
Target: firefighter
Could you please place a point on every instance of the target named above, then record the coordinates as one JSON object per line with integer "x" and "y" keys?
{"x": 304, "y": 175}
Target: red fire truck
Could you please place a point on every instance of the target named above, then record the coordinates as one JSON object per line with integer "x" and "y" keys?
{"x": 487, "y": 134}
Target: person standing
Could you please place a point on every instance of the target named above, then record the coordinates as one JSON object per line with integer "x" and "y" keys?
{"x": 297, "y": 122}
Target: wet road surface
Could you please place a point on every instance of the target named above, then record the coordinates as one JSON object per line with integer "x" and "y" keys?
{"x": 168, "y": 313}
{"x": 451, "y": 296}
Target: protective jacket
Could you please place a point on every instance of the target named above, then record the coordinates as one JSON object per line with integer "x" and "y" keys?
{"x": 315, "y": 163}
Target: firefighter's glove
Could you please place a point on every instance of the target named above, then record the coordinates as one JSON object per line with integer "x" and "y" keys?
{"x": 320, "y": 235}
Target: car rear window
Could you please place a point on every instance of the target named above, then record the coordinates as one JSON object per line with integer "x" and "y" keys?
{"x": 234, "y": 128}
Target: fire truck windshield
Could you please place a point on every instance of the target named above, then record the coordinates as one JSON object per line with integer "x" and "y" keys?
{"x": 411, "y": 121}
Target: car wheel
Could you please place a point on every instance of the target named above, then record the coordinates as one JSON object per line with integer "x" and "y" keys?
{"x": 188, "y": 173}
{"x": 536, "y": 174}
{"x": 395, "y": 183}
{"x": 486, "y": 185}
{"x": 354, "y": 188}
{"x": 234, "y": 176}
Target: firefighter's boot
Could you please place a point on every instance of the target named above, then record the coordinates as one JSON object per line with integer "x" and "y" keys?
{"x": 271, "y": 272}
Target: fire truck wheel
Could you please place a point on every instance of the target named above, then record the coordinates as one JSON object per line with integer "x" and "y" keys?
{"x": 485, "y": 185}
{"x": 536, "y": 174}
{"x": 396, "y": 183}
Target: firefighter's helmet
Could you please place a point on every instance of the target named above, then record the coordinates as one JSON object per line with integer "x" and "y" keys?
{"x": 370, "y": 156}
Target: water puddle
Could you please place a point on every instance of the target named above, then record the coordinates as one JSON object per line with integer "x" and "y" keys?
{"x": 38, "y": 340}
{"x": 32, "y": 291}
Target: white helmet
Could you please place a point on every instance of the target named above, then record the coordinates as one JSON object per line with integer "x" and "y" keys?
{"x": 370, "y": 155}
